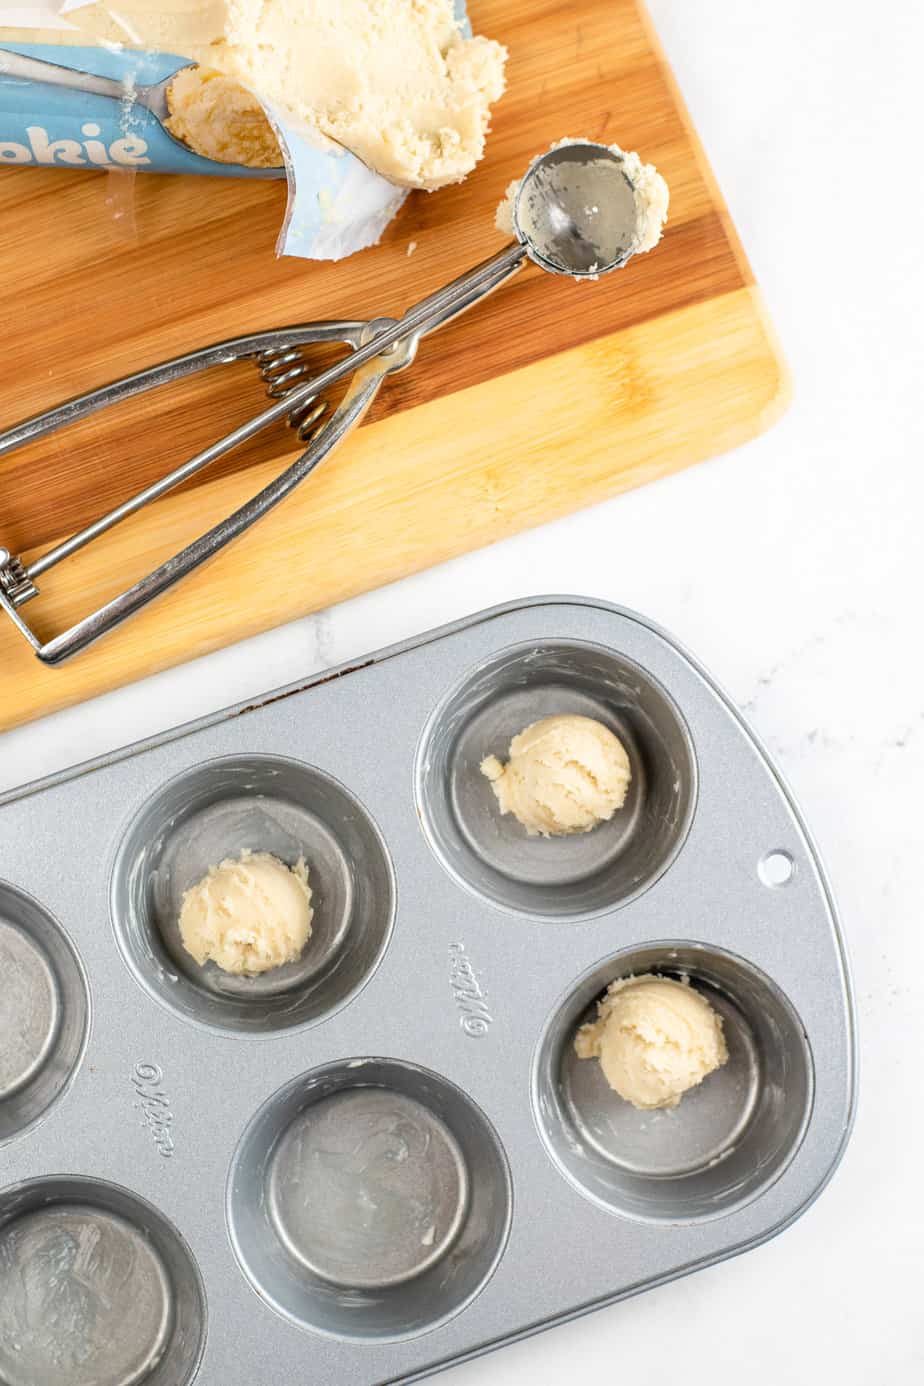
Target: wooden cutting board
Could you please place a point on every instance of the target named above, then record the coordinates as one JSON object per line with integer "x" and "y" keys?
{"x": 549, "y": 397}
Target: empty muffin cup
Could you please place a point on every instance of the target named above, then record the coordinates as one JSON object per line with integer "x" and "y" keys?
{"x": 262, "y": 804}
{"x": 725, "y": 1142}
{"x": 96, "y": 1289}
{"x": 44, "y": 1010}
{"x": 369, "y": 1199}
{"x": 581, "y": 873}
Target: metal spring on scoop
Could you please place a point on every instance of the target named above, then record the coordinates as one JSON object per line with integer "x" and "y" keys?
{"x": 283, "y": 369}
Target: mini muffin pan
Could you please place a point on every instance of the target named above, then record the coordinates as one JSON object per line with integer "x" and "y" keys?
{"x": 385, "y": 1157}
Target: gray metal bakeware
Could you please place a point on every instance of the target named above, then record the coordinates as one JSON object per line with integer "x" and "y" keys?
{"x": 385, "y": 1158}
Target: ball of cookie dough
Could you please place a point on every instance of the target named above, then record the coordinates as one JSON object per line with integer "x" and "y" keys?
{"x": 565, "y": 774}
{"x": 655, "y": 1038}
{"x": 249, "y": 914}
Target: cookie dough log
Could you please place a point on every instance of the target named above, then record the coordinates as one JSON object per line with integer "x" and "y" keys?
{"x": 655, "y": 1038}
{"x": 250, "y": 913}
{"x": 394, "y": 81}
{"x": 565, "y": 774}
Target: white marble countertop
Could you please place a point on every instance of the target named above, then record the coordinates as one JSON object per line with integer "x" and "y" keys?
{"x": 793, "y": 568}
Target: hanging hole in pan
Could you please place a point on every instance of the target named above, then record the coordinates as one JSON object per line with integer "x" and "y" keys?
{"x": 776, "y": 868}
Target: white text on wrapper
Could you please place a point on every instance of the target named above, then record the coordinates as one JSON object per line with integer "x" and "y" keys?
{"x": 126, "y": 152}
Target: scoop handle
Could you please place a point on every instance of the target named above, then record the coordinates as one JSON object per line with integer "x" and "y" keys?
{"x": 404, "y": 333}
{"x": 363, "y": 390}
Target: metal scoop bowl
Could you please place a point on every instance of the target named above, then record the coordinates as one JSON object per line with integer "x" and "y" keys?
{"x": 575, "y": 211}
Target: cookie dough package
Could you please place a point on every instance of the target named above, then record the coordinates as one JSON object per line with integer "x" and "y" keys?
{"x": 164, "y": 113}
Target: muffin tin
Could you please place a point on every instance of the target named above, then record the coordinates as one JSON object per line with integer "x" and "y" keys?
{"x": 385, "y": 1158}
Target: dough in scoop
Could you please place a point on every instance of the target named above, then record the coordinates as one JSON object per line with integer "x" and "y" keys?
{"x": 249, "y": 914}
{"x": 565, "y": 775}
{"x": 655, "y": 1038}
{"x": 219, "y": 119}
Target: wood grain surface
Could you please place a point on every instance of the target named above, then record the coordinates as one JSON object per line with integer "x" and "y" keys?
{"x": 548, "y": 397}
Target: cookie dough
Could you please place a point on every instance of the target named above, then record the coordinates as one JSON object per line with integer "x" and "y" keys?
{"x": 219, "y": 119}
{"x": 249, "y": 914}
{"x": 392, "y": 80}
{"x": 651, "y": 198}
{"x": 655, "y": 1038}
{"x": 565, "y": 774}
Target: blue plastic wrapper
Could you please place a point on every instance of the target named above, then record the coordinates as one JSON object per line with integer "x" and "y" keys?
{"x": 49, "y": 125}
{"x": 336, "y": 204}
